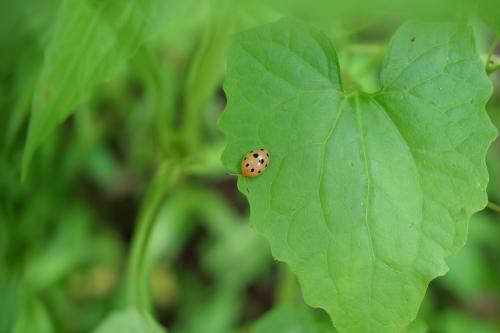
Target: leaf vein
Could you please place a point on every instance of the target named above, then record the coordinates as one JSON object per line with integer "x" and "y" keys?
{"x": 322, "y": 163}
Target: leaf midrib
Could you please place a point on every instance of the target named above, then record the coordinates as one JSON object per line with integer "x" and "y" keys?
{"x": 367, "y": 196}
{"x": 323, "y": 159}
{"x": 415, "y": 164}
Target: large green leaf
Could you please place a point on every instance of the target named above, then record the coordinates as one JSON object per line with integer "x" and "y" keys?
{"x": 366, "y": 194}
{"x": 91, "y": 40}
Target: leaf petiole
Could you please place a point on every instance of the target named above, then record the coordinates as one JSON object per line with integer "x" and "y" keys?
{"x": 490, "y": 65}
{"x": 493, "y": 206}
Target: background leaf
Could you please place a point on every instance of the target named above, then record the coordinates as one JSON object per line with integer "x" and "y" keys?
{"x": 456, "y": 322}
{"x": 90, "y": 42}
{"x": 366, "y": 194}
{"x": 471, "y": 276}
{"x": 32, "y": 314}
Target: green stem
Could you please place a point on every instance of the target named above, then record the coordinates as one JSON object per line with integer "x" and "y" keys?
{"x": 288, "y": 291}
{"x": 159, "y": 80}
{"x": 492, "y": 69}
{"x": 491, "y": 50}
{"x": 493, "y": 206}
{"x": 137, "y": 278}
{"x": 367, "y": 48}
{"x": 490, "y": 63}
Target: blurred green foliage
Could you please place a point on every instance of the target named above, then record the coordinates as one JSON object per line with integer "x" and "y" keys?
{"x": 135, "y": 86}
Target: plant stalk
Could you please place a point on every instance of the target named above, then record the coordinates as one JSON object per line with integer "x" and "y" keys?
{"x": 493, "y": 206}
{"x": 137, "y": 290}
{"x": 288, "y": 291}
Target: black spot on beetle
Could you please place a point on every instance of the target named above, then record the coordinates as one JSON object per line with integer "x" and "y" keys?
{"x": 266, "y": 165}
{"x": 261, "y": 149}
{"x": 267, "y": 154}
{"x": 247, "y": 165}
{"x": 255, "y": 155}
{"x": 259, "y": 171}
{"x": 261, "y": 161}
{"x": 252, "y": 170}
{"x": 412, "y": 39}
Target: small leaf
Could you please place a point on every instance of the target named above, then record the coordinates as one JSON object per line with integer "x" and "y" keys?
{"x": 129, "y": 321}
{"x": 289, "y": 319}
{"x": 366, "y": 194}
{"x": 91, "y": 40}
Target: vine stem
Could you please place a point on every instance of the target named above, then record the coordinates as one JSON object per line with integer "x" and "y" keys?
{"x": 493, "y": 206}
{"x": 137, "y": 275}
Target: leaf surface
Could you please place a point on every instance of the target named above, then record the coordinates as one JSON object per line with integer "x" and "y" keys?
{"x": 366, "y": 194}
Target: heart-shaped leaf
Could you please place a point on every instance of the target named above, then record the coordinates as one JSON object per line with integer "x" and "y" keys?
{"x": 366, "y": 194}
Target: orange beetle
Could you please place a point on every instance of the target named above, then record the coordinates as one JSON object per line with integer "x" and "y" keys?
{"x": 255, "y": 162}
